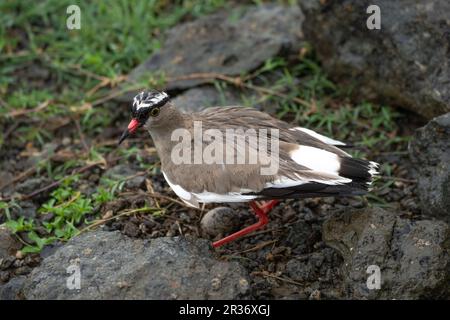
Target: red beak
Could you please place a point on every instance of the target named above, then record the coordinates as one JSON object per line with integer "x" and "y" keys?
{"x": 134, "y": 124}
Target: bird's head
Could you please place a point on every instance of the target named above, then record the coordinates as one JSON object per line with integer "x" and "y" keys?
{"x": 146, "y": 108}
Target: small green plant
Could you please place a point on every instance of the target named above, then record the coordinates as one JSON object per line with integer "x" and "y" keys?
{"x": 69, "y": 209}
{"x": 20, "y": 225}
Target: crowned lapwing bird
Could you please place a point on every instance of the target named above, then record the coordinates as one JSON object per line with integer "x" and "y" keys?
{"x": 238, "y": 154}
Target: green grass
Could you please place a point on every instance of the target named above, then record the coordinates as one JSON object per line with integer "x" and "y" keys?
{"x": 69, "y": 208}
{"x": 115, "y": 36}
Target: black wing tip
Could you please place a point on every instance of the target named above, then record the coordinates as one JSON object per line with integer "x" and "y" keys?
{"x": 314, "y": 190}
{"x": 358, "y": 170}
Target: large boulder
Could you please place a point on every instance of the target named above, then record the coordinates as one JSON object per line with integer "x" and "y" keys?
{"x": 430, "y": 153}
{"x": 406, "y": 62}
{"x": 113, "y": 266}
{"x": 229, "y": 42}
{"x": 12, "y": 290}
{"x": 199, "y": 98}
{"x": 411, "y": 256}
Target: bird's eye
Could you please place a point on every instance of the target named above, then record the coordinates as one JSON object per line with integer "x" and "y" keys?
{"x": 154, "y": 112}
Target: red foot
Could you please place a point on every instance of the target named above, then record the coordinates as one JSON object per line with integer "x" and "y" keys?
{"x": 261, "y": 212}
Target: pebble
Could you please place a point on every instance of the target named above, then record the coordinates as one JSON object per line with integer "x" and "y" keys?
{"x": 66, "y": 141}
{"x": 19, "y": 254}
{"x": 216, "y": 283}
{"x": 315, "y": 295}
{"x": 220, "y": 220}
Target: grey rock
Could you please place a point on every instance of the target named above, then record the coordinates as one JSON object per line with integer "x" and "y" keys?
{"x": 430, "y": 153}
{"x": 220, "y": 220}
{"x": 322, "y": 265}
{"x": 197, "y": 99}
{"x": 8, "y": 244}
{"x": 12, "y": 290}
{"x": 299, "y": 270}
{"x": 26, "y": 209}
{"x": 32, "y": 184}
{"x": 113, "y": 266}
{"x": 122, "y": 172}
{"x": 413, "y": 256}
{"x": 135, "y": 182}
{"x": 406, "y": 63}
{"x": 229, "y": 42}
{"x": 301, "y": 237}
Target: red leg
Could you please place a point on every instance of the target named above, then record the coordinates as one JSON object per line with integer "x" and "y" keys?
{"x": 261, "y": 212}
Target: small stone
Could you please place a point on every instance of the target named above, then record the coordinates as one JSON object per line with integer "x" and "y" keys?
{"x": 4, "y": 276}
{"x": 18, "y": 263}
{"x": 108, "y": 214}
{"x": 315, "y": 295}
{"x": 6, "y": 262}
{"x": 32, "y": 260}
{"x": 26, "y": 209}
{"x": 22, "y": 270}
{"x": 135, "y": 183}
{"x": 216, "y": 283}
{"x": 31, "y": 185}
{"x": 170, "y": 233}
{"x": 125, "y": 172}
{"x": 66, "y": 141}
{"x": 244, "y": 286}
{"x": 19, "y": 255}
{"x": 220, "y": 220}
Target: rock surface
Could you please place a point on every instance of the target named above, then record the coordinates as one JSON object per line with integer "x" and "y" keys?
{"x": 12, "y": 290}
{"x": 113, "y": 266}
{"x": 197, "y": 99}
{"x": 406, "y": 63}
{"x": 127, "y": 173}
{"x": 222, "y": 43}
{"x": 430, "y": 153}
{"x": 8, "y": 244}
{"x": 413, "y": 256}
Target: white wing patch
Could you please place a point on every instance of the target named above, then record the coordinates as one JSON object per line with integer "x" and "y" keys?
{"x": 316, "y": 159}
{"x": 319, "y": 136}
{"x": 211, "y": 197}
{"x": 206, "y": 196}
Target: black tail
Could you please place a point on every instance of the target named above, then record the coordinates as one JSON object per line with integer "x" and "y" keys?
{"x": 361, "y": 173}
{"x": 312, "y": 190}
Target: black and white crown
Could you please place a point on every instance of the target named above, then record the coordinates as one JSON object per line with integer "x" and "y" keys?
{"x": 149, "y": 99}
